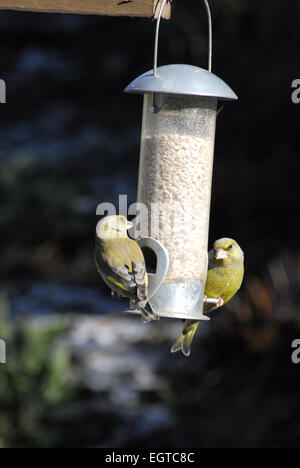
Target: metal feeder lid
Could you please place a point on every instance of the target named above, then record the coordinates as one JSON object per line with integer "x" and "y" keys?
{"x": 182, "y": 79}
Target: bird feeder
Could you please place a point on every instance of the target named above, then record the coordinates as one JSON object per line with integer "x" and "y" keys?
{"x": 175, "y": 178}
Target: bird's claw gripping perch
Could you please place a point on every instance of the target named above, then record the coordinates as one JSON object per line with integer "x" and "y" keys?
{"x": 217, "y": 302}
{"x": 143, "y": 308}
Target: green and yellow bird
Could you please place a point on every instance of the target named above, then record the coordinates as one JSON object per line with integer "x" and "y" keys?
{"x": 120, "y": 262}
{"x": 224, "y": 278}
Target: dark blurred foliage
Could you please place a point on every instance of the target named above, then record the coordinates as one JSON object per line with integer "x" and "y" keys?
{"x": 69, "y": 139}
{"x": 36, "y": 380}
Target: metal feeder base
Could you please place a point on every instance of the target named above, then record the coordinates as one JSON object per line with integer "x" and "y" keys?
{"x": 179, "y": 300}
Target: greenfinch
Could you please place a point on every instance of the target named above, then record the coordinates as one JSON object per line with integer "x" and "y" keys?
{"x": 120, "y": 263}
{"x": 224, "y": 278}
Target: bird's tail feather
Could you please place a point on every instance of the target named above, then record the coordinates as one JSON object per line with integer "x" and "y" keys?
{"x": 184, "y": 341}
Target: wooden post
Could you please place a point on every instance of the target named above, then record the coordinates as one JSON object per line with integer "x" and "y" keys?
{"x": 146, "y": 8}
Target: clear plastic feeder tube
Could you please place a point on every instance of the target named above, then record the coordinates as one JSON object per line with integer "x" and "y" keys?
{"x": 175, "y": 176}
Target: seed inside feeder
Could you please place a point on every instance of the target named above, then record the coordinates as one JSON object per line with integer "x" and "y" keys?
{"x": 175, "y": 179}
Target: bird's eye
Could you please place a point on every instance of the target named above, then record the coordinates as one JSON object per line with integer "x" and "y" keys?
{"x": 230, "y": 246}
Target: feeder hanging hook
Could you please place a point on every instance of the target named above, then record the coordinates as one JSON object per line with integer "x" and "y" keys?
{"x": 210, "y": 39}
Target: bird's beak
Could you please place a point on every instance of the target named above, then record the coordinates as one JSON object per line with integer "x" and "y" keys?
{"x": 129, "y": 225}
{"x": 220, "y": 254}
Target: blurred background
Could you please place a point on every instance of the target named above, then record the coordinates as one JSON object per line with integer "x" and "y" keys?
{"x": 80, "y": 373}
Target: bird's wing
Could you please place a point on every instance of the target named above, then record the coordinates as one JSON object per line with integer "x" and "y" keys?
{"x": 121, "y": 264}
{"x": 139, "y": 269}
{"x": 116, "y": 275}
